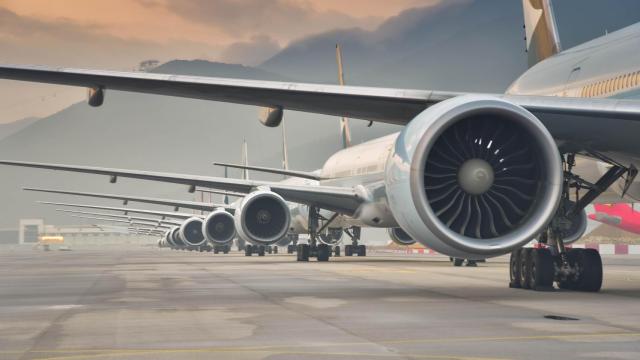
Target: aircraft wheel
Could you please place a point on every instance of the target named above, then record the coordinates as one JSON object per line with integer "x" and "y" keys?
{"x": 570, "y": 282}
{"x": 514, "y": 269}
{"x": 542, "y": 269}
{"x": 348, "y": 250}
{"x": 248, "y": 250}
{"x": 303, "y": 252}
{"x": 362, "y": 250}
{"x": 323, "y": 252}
{"x": 458, "y": 262}
{"x": 275, "y": 249}
{"x": 590, "y": 270}
{"x": 336, "y": 251}
{"x": 261, "y": 250}
{"x": 525, "y": 267}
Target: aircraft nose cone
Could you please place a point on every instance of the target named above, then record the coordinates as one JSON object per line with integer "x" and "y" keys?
{"x": 476, "y": 176}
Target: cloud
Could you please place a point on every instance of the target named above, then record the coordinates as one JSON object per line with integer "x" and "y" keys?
{"x": 253, "y": 52}
{"x": 28, "y": 40}
{"x": 280, "y": 19}
{"x": 65, "y": 42}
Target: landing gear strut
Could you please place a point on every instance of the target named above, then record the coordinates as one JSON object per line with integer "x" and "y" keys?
{"x": 573, "y": 269}
{"x": 354, "y": 248}
{"x": 314, "y": 248}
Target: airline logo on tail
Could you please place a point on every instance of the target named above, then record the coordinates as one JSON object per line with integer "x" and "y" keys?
{"x": 543, "y": 40}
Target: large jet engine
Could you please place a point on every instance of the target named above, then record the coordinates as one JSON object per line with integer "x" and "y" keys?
{"x": 400, "y": 236}
{"x": 219, "y": 227}
{"x": 577, "y": 228}
{"x": 191, "y": 232}
{"x": 262, "y": 218}
{"x": 174, "y": 237}
{"x": 474, "y": 176}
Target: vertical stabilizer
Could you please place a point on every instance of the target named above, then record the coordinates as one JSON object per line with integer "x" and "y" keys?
{"x": 245, "y": 159}
{"x": 225, "y": 200}
{"x": 285, "y": 156}
{"x": 541, "y": 30}
{"x": 345, "y": 132}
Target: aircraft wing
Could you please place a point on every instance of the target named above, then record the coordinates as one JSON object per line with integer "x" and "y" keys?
{"x": 163, "y": 214}
{"x": 390, "y": 105}
{"x": 344, "y": 200}
{"x": 589, "y": 125}
{"x": 118, "y": 216}
{"x": 160, "y": 226}
{"x": 194, "y": 205}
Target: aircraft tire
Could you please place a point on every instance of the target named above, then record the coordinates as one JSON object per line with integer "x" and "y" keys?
{"x": 323, "y": 252}
{"x": 542, "y": 270}
{"x": 525, "y": 267}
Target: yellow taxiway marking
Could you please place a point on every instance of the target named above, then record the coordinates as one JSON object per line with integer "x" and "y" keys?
{"x": 290, "y": 349}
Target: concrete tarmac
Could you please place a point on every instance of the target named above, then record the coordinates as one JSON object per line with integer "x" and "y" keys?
{"x": 147, "y": 303}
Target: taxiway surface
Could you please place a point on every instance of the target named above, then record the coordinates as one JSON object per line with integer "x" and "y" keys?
{"x": 161, "y": 304}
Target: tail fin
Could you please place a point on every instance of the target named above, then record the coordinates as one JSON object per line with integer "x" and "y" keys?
{"x": 245, "y": 159}
{"x": 285, "y": 156}
{"x": 345, "y": 132}
{"x": 225, "y": 200}
{"x": 541, "y": 29}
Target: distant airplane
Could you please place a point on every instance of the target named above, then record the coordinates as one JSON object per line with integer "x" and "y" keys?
{"x": 470, "y": 175}
{"x": 621, "y": 216}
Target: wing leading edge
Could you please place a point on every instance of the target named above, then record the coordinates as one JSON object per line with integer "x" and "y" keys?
{"x": 339, "y": 199}
{"x": 589, "y": 125}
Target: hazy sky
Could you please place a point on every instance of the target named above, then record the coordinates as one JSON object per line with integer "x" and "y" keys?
{"x": 117, "y": 34}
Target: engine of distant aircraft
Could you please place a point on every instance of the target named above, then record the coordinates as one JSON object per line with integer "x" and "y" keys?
{"x": 483, "y": 177}
{"x": 191, "y": 232}
{"x": 175, "y": 238}
{"x": 262, "y": 218}
{"x": 400, "y": 236}
{"x": 219, "y": 227}
{"x": 577, "y": 226}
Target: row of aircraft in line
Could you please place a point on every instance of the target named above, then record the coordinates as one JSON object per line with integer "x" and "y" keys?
{"x": 470, "y": 175}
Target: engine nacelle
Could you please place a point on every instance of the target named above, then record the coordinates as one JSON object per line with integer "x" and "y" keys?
{"x": 174, "y": 237}
{"x": 95, "y": 96}
{"x": 473, "y": 177}
{"x": 271, "y": 117}
{"x": 219, "y": 227}
{"x": 576, "y": 230}
{"x": 191, "y": 232}
{"x": 262, "y": 218}
{"x": 400, "y": 236}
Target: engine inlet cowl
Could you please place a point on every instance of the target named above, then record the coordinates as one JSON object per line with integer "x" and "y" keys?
{"x": 191, "y": 232}
{"x": 219, "y": 227}
{"x": 400, "y": 237}
{"x": 484, "y": 177}
{"x": 262, "y": 218}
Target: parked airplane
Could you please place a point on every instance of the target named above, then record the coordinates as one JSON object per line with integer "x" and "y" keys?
{"x": 621, "y": 216}
{"x": 469, "y": 175}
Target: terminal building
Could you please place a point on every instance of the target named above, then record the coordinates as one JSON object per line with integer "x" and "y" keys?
{"x": 30, "y": 231}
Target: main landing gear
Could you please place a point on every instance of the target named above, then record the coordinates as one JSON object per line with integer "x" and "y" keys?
{"x": 321, "y": 251}
{"x": 571, "y": 269}
{"x": 221, "y": 249}
{"x": 260, "y": 250}
{"x": 354, "y": 248}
